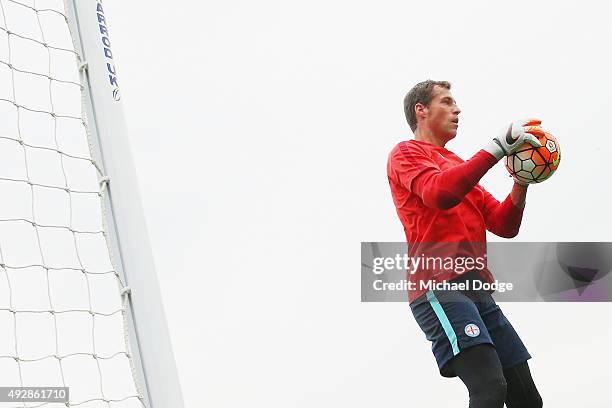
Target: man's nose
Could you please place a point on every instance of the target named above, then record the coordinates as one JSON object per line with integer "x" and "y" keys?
{"x": 456, "y": 110}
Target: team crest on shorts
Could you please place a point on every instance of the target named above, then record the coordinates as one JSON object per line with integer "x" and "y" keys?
{"x": 472, "y": 330}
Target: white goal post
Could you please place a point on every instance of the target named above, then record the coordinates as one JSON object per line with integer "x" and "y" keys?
{"x": 152, "y": 354}
{"x": 80, "y": 305}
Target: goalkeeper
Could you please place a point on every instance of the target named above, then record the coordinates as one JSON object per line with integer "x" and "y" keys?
{"x": 446, "y": 212}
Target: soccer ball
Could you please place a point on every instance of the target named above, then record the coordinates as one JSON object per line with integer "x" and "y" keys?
{"x": 531, "y": 164}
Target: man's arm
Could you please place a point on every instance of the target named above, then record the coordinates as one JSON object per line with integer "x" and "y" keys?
{"x": 444, "y": 189}
{"x": 504, "y": 219}
{"x": 518, "y": 194}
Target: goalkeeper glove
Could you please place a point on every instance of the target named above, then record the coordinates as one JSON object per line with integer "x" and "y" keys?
{"x": 510, "y": 139}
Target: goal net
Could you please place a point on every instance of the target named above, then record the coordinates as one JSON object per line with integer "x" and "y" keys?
{"x": 62, "y": 301}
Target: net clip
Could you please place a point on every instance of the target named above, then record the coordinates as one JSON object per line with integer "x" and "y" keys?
{"x": 126, "y": 291}
{"x": 104, "y": 182}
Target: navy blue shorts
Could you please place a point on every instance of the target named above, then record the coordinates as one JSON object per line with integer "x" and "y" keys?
{"x": 454, "y": 320}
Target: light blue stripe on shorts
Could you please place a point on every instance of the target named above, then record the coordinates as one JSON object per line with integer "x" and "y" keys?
{"x": 448, "y": 329}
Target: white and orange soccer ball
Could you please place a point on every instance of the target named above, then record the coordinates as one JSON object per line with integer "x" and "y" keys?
{"x": 531, "y": 164}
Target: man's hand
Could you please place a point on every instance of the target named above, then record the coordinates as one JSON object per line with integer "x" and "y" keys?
{"x": 514, "y": 136}
{"x": 520, "y": 182}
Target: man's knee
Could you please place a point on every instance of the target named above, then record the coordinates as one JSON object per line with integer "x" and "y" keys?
{"x": 522, "y": 392}
{"x": 532, "y": 401}
{"x": 492, "y": 394}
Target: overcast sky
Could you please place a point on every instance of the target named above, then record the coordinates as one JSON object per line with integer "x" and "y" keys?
{"x": 260, "y": 132}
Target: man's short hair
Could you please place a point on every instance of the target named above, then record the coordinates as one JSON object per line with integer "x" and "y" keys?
{"x": 420, "y": 93}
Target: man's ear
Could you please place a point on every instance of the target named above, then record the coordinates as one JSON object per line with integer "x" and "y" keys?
{"x": 420, "y": 110}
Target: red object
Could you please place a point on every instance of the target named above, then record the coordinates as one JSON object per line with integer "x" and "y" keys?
{"x": 444, "y": 211}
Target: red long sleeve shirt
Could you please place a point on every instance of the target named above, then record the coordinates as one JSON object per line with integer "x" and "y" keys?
{"x": 444, "y": 211}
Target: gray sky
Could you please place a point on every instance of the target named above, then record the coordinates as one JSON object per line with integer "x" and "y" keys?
{"x": 260, "y": 132}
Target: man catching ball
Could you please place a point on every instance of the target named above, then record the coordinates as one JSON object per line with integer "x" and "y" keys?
{"x": 446, "y": 213}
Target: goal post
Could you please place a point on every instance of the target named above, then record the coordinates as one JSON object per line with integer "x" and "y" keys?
{"x": 152, "y": 355}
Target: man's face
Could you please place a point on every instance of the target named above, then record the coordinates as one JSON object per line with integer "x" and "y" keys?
{"x": 442, "y": 114}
